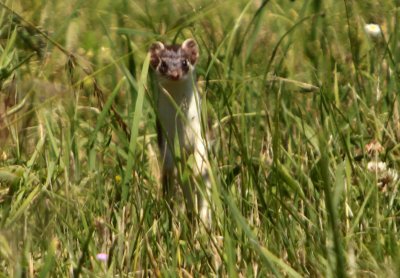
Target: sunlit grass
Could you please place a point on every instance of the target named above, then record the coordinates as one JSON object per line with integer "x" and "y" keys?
{"x": 302, "y": 120}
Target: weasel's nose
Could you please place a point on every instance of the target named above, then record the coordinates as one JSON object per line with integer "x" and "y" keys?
{"x": 174, "y": 75}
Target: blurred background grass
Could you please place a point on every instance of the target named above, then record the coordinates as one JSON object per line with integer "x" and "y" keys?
{"x": 302, "y": 118}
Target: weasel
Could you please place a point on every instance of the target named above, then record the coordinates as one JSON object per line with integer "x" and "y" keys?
{"x": 179, "y": 121}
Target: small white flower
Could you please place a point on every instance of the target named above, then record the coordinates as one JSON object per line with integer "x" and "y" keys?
{"x": 373, "y": 29}
{"x": 374, "y": 166}
{"x": 102, "y": 257}
{"x": 394, "y": 176}
{"x": 385, "y": 176}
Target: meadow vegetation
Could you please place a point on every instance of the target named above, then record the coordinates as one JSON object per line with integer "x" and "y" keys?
{"x": 301, "y": 113}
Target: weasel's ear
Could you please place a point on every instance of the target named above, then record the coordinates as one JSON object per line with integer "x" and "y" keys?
{"x": 192, "y": 50}
{"x": 154, "y": 51}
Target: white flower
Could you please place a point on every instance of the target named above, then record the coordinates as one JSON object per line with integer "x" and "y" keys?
{"x": 373, "y": 29}
{"x": 393, "y": 175}
{"x": 385, "y": 176}
{"x": 374, "y": 166}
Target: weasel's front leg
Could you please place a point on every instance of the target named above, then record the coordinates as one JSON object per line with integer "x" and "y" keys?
{"x": 167, "y": 164}
{"x": 168, "y": 169}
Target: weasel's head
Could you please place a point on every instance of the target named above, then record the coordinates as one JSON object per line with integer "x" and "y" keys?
{"x": 174, "y": 62}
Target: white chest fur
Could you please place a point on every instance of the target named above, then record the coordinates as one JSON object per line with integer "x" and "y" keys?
{"x": 179, "y": 112}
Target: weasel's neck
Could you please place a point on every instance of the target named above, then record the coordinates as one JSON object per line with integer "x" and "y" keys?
{"x": 179, "y": 90}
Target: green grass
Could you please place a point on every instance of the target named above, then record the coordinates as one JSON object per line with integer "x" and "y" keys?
{"x": 295, "y": 94}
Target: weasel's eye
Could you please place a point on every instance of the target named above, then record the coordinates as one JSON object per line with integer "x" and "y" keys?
{"x": 184, "y": 63}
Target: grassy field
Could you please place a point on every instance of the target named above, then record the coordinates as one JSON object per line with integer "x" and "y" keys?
{"x": 301, "y": 113}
